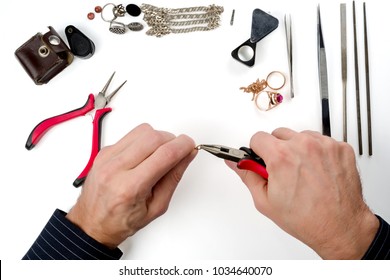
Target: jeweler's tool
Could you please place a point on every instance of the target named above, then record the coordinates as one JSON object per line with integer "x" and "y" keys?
{"x": 80, "y": 45}
{"x": 288, "y": 28}
{"x": 343, "y": 32}
{"x": 323, "y": 77}
{"x": 246, "y": 158}
{"x": 262, "y": 25}
{"x": 367, "y": 82}
{"x": 359, "y": 121}
{"x": 99, "y": 105}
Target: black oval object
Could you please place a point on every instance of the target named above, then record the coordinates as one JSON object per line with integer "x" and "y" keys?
{"x": 133, "y": 10}
{"x": 80, "y": 45}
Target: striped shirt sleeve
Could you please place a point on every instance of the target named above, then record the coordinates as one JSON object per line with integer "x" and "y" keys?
{"x": 380, "y": 246}
{"x": 62, "y": 240}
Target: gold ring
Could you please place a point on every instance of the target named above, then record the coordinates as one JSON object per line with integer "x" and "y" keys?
{"x": 273, "y": 73}
{"x": 274, "y": 99}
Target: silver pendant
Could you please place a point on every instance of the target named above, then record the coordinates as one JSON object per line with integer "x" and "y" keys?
{"x": 135, "y": 26}
{"x": 117, "y": 27}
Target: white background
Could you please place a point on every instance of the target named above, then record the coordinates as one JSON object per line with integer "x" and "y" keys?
{"x": 186, "y": 83}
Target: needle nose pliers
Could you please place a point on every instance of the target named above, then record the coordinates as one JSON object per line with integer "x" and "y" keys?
{"x": 98, "y": 104}
{"x": 245, "y": 157}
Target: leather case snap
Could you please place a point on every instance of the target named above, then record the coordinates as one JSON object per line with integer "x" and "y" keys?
{"x": 44, "y": 56}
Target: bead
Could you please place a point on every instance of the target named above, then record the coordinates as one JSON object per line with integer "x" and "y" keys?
{"x": 91, "y": 16}
{"x": 98, "y": 9}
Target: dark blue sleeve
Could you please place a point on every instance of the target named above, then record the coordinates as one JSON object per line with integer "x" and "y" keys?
{"x": 62, "y": 240}
{"x": 380, "y": 246}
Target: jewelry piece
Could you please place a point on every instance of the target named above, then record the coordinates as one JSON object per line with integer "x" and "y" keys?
{"x": 119, "y": 11}
{"x": 133, "y": 10}
{"x": 255, "y": 88}
{"x": 272, "y": 75}
{"x": 117, "y": 27}
{"x": 271, "y": 99}
{"x": 98, "y": 9}
{"x": 135, "y": 26}
{"x": 163, "y": 21}
{"x": 102, "y": 14}
{"x": 91, "y": 16}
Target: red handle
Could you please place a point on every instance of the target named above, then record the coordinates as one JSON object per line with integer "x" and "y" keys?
{"x": 44, "y": 126}
{"x": 96, "y": 135}
{"x": 249, "y": 164}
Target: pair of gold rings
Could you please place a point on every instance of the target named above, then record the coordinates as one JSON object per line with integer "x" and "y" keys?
{"x": 264, "y": 102}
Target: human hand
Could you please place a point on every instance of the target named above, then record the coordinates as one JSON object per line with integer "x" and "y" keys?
{"x": 131, "y": 183}
{"x": 313, "y": 192}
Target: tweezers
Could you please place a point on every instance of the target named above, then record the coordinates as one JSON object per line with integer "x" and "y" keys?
{"x": 343, "y": 32}
{"x": 323, "y": 77}
{"x": 287, "y": 29}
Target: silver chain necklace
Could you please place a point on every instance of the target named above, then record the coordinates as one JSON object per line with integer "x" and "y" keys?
{"x": 163, "y": 21}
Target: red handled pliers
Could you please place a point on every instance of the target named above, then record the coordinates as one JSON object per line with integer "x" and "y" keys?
{"x": 99, "y": 105}
{"x": 246, "y": 158}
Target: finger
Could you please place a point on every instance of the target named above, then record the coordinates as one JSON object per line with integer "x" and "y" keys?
{"x": 164, "y": 189}
{"x": 283, "y": 133}
{"x": 165, "y": 157}
{"x": 141, "y": 148}
{"x": 256, "y": 184}
{"x": 131, "y": 136}
{"x": 315, "y": 134}
{"x": 110, "y": 151}
{"x": 263, "y": 144}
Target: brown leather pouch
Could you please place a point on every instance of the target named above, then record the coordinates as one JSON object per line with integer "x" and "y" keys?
{"x": 44, "y": 56}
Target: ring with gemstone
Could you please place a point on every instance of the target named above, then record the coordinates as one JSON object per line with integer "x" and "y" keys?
{"x": 267, "y": 101}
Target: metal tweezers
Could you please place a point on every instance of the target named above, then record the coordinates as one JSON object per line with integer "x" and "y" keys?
{"x": 287, "y": 29}
{"x": 323, "y": 77}
{"x": 344, "y": 65}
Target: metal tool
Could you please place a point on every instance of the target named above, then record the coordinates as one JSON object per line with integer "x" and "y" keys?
{"x": 287, "y": 29}
{"x": 368, "y": 95}
{"x": 246, "y": 158}
{"x": 232, "y": 17}
{"x": 343, "y": 32}
{"x": 323, "y": 77}
{"x": 99, "y": 105}
{"x": 262, "y": 25}
{"x": 359, "y": 120}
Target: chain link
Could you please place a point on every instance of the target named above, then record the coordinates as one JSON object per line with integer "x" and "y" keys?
{"x": 163, "y": 21}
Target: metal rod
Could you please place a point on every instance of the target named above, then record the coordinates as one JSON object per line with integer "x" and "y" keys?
{"x": 288, "y": 32}
{"x": 343, "y": 29}
{"x": 232, "y": 17}
{"x": 367, "y": 81}
{"x": 359, "y": 121}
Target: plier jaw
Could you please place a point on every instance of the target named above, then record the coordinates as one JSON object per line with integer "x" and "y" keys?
{"x": 224, "y": 152}
{"x": 101, "y": 99}
{"x": 245, "y": 157}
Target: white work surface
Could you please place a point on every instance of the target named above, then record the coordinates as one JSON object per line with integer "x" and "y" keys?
{"x": 183, "y": 83}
